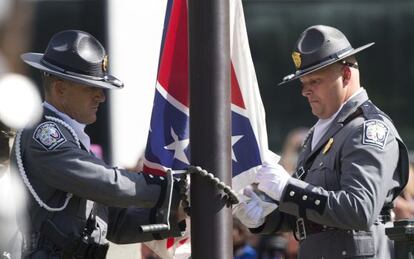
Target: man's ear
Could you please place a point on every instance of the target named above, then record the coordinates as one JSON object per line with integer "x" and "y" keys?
{"x": 59, "y": 87}
{"x": 346, "y": 74}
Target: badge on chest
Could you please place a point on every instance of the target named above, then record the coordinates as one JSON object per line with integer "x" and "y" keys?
{"x": 328, "y": 146}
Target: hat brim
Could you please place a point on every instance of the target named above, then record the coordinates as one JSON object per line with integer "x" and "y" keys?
{"x": 300, "y": 73}
{"x": 34, "y": 60}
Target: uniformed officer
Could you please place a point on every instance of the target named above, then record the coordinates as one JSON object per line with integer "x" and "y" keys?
{"x": 352, "y": 165}
{"x": 77, "y": 202}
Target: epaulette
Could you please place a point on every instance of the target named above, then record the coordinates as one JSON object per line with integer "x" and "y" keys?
{"x": 372, "y": 112}
{"x": 353, "y": 115}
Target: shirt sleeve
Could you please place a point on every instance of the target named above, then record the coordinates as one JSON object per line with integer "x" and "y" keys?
{"x": 69, "y": 168}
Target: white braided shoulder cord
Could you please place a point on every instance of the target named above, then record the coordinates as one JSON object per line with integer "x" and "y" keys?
{"x": 23, "y": 172}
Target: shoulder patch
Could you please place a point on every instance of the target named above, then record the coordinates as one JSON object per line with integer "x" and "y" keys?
{"x": 49, "y": 135}
{"x": 375, "y": 133}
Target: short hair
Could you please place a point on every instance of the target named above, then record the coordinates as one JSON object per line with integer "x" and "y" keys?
{"x": 48, "y": 80}
{"x": 351, "y": 60}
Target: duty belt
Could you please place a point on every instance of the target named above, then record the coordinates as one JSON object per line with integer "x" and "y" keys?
{"x": 79, "y": 247}
{"x": 304, "y": 227}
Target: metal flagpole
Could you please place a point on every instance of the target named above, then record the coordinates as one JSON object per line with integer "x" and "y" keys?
{"x": 210, "y": 126}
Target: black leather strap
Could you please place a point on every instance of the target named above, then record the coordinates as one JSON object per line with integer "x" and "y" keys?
{"x": 309, "y": 162}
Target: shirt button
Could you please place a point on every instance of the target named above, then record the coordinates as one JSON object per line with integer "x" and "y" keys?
{"x": 317, "y": 202}
{"x": 304, "y": 197}
{"x": 292, "y": 193}
{"x": 344, "y": 252}
{"x": 321, "y": 164}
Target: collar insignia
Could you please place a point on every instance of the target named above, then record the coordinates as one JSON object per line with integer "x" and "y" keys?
{"x": 328, "y": 146}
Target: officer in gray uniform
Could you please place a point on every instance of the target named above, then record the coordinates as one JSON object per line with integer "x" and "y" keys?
{"x": 352, "y": 165}
{"x": 77, "y": 202}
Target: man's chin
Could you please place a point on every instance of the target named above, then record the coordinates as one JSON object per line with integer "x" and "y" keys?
{"x": 315, "y": 112}
{"x": 90, "y": 120}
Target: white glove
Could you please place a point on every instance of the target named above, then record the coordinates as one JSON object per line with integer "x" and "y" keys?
{"x": 272, "y": 180}
{"x": 253, "y": 211}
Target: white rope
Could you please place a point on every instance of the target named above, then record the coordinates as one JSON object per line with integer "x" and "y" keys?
{"x": 23, "y": 172}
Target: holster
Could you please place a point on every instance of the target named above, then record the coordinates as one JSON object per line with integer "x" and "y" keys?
{"x": 70, "y": 246}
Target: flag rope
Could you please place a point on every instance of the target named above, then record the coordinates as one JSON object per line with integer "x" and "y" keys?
{"x": 230, "y": 197}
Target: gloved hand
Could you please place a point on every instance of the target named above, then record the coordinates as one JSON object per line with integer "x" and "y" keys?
{"x": 272, "y": 180}
{"x": 252, "y": 212}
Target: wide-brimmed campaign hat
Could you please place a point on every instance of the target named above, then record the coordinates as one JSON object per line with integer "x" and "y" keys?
{"x": 77, "y": 56}
{"x": 317, "y": 47}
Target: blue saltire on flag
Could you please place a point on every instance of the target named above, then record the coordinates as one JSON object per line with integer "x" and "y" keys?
{"x": 168, "y": 139}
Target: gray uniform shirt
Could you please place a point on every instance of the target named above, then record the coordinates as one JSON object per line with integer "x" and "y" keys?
{"x": 55, "y": 165}
{"x": 357, "y": 168}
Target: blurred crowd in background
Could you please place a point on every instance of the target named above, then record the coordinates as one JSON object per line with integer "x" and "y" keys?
{"x": 284, "y": 246}
{"x": 15, "y": 37}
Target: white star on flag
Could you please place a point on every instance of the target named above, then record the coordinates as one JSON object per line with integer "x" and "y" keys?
{"x": 178, "y": 146}
{"x": 234, "y": 140}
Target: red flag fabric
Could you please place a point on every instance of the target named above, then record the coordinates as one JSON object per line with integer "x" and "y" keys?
{"x": 168, "y": 139}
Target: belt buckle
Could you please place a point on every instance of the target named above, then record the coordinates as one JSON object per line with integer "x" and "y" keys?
{"x": 300, "y": 229}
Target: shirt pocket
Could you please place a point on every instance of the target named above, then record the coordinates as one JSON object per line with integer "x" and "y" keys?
{"x": 324, "y": 174}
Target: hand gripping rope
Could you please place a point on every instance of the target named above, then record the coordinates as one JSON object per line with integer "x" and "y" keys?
{"x": 230, "y": 197}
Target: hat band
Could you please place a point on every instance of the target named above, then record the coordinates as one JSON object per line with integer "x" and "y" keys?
{"x": 90, "y": 70}
{"x": 62, "y": 70}
{"x": 337, "y": 55}
{"x": 105, "y": 78}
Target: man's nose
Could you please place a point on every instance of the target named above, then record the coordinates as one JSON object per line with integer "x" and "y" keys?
{"x": 306, "y": 90}
{"x": 100, "y": 95}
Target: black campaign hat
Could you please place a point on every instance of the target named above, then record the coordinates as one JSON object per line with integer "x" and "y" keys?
{"x": 77, "y": 56}
{"x": 317, "y": 47}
